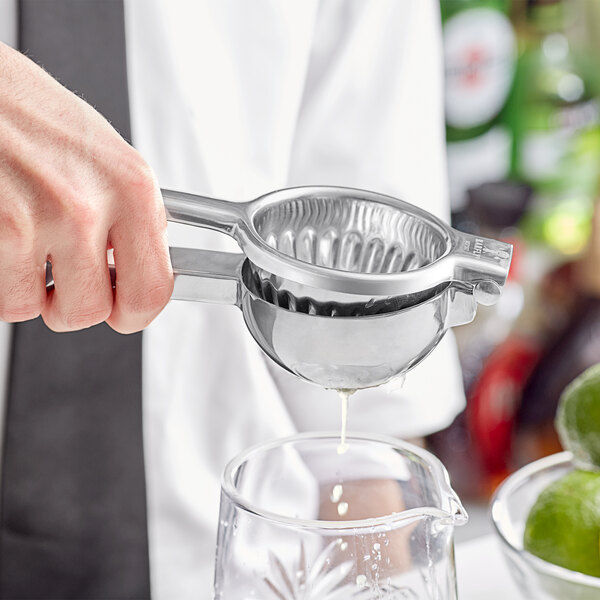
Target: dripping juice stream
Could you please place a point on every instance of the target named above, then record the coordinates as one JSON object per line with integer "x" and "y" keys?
{"x": 344, "y": 395}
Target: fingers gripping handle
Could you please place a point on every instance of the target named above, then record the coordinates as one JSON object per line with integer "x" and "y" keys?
{"x": 200, "y": 275}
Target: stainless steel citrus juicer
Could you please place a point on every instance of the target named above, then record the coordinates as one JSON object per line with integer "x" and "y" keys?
{"x": 344, "y": 288}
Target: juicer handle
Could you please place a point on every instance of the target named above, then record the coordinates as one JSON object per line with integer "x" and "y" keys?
{"x": 483, "y": 264}
{"x": 206, "y": 275}
{"x": 201, "y": 211}
{"x": 200, "y": 275}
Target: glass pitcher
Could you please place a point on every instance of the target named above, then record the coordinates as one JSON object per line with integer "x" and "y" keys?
{"x": 303, "y": 518}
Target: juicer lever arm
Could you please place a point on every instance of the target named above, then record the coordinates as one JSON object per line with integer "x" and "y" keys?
{"x": 482, "y": 263}
{"x": 210, "y": 213}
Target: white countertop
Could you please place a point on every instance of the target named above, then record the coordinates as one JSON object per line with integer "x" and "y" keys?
{"x": 482, "y": 571}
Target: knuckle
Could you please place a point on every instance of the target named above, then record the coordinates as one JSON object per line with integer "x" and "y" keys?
{"x": 58, "y": 195}
{"x": 17, "y": 231}
{"x": 140, "y": 177}
{"x": 84, "y": 218}
{"x": 149, "y": 300}
{"x": 75, "y": 209}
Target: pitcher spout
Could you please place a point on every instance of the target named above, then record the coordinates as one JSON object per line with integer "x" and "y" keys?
{"x": 458, "y": 514}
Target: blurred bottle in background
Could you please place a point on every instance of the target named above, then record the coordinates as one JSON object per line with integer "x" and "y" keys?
{"x": 555, "y": 118}
{"x": 480, "y": 55}
{"x": 532, "y": 117}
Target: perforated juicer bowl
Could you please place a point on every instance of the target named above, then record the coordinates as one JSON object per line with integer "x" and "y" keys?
{"x": 344, "y": 288}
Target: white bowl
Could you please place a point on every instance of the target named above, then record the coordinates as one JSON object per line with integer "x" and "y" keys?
{"x": 538, "y": 579}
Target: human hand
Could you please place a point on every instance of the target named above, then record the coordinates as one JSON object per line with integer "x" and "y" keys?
{"x": 70, "y": 189}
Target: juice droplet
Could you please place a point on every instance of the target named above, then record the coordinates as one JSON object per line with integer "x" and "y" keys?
{"x": 337, "y": 492}
{"x": 342, "y": 508}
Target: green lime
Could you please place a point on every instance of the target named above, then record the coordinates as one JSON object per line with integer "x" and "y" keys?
{"x": 563, "y": 526}
{"x": 578, "y": 418}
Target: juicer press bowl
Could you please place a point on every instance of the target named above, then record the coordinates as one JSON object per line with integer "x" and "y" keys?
{"x": 330, "y": 351}
{"x": 353, "y": 352}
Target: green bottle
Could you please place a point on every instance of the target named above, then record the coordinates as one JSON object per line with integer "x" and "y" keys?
{"x": 480, "y": 56}
{"x": 555, "y": 116}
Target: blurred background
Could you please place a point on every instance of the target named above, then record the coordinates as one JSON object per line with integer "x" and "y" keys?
{"x": 523, "y": 142}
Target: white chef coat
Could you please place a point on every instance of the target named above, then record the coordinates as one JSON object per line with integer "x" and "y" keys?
{"x": 234, "y": 99}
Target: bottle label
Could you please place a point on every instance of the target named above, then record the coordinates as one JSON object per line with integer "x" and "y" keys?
{"x": 480, "y": 52}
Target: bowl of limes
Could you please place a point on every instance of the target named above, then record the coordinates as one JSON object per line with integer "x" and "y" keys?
{"x": 547, "y": 514}
{"x": 538, "y": 578}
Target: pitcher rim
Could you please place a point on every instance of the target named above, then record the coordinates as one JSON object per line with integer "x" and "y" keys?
{"x": 455, "y": 515}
